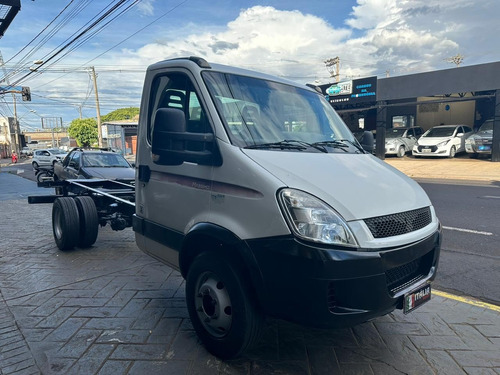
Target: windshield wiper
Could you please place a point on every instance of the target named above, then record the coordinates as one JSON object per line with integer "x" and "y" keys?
{"x": 339, "y": 143}
{"x": 289, "y": 144}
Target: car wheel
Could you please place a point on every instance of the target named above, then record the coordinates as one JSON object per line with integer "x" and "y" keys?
{"x": 89, "y": 221}
{"x": 453, "y": 152}
{"x": 401, "y": 151}
{"x": 221, "y": 306}
{"x": 65, "y": 223}
{"x": 35, "y": 165}
{"x": 40, "y": 176}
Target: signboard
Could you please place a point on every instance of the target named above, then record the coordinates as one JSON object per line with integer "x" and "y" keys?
{"x": 362, "y": 90}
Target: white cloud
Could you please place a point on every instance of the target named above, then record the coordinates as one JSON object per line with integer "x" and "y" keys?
{"x": 146, "y": 7}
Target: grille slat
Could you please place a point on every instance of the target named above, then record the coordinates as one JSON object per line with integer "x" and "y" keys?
{"x": 400, "y": 223}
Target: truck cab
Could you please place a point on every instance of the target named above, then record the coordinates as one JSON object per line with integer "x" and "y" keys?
{"x": 256, "y": 191}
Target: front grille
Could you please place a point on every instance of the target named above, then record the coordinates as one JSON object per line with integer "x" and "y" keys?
{"x": 401, "y": 277}
{"x": 400, "y": 223}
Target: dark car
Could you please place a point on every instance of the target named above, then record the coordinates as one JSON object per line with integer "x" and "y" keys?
{"x": 480, "y": 142}
{"x": 94, "y": 163}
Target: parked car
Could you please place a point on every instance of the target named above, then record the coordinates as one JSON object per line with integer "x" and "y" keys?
{"x": 48, "y": 156}
{"x": 480, "y": 142}
{"x": 94, "y": 163}
{"x": 443, "y": 140}
{"x": 399, "y": 141}
{"x": 26, "y": 151}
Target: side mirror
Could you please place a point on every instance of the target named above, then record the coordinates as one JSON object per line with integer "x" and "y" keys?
{"x": 173, "y": 145}
{"x": 367, "y": 141}
{"x": 460, "y": 134}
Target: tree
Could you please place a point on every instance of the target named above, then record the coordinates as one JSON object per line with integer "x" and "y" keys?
{"x": 84, "y": 131}
{"x": 121, "y": 114}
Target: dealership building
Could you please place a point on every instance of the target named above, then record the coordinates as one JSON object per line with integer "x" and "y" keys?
{"x": 466, "y": 95}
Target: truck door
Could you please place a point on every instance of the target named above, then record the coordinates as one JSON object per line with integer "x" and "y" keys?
{"x": 175, "y": 197}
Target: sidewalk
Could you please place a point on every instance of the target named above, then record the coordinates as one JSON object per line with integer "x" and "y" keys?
{"x": 461, "y": 168}
{"x": 111, "y": 309}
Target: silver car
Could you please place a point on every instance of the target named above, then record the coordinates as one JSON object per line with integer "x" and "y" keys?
{"x": 399, "y": 141}
{"x": 482, "y": 141}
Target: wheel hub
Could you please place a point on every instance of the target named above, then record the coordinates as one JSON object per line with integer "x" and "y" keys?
{"x": 213, "y": 305}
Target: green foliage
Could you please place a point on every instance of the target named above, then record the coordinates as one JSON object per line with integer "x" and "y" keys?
{"x": 121, "y": 114}
{"x": 84, "y": 131}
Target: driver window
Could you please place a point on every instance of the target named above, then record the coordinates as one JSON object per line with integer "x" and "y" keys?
{"x": 75, "y": 161}
{"x": 175, "y": 90}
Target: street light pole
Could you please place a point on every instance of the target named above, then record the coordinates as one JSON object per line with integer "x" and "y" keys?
{"x": 99, "y": 129}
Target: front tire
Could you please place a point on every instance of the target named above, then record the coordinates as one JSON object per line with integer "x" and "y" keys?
{"x": 65, "y": 223}
{"x": 453, "y": 152}
{"x": 401, "y": 151}
{"x": 221, "y": 306}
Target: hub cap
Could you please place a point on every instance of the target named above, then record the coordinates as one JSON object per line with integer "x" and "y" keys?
{"x": 213, "y": 305}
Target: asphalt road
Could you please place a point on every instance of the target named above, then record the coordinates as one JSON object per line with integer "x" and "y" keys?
{"x": 470, "y": 253}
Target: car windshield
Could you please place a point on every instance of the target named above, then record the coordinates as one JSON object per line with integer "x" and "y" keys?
{"x": 104, "y": 160}
{"x": 394, "y": 133}
{"x": 268, "y": 115}
{"x": 446, "y": 131}
{"x": 56, "y": 151}
{"x": 487, "y": 126}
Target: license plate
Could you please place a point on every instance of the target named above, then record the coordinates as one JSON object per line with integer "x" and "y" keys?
{"x": 426, "y": 150}
{"x": 484, "y": 148}
{"x": 416, "y": 298}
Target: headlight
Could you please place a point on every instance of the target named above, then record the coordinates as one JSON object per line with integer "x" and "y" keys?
{"x": 444, "y": 143}
{"x": 470, "y": 141}
{"x": 311, "y": 219}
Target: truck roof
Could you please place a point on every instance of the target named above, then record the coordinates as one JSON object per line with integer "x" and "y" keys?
{"x": 199, "y": 64}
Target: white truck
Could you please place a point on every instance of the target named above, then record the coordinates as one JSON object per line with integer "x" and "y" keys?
{"x": 255, "y": 190}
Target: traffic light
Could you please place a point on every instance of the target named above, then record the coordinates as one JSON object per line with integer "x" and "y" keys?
{"x": 26, "y": 92}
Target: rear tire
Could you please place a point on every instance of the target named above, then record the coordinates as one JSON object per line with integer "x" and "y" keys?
{"x": 35, "y": 165}
{"x": 221, "y": 306}
{"x": 89, "y": 221}
{"x": 65, "y": 223}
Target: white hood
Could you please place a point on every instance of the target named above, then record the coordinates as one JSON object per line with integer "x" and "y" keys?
{"x": 432, "y": 141}
{"x": 357, "y": 186}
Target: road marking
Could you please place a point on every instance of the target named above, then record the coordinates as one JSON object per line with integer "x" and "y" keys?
{"x": 469, "y": 301}
{"x": 491, "y": 197}
{"x": 469, "y": 231}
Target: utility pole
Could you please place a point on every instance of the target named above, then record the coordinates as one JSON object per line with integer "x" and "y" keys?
{"x": 17, "y": 146}
{"x": 333, "y": 66}
{"x": 99, "y": 130}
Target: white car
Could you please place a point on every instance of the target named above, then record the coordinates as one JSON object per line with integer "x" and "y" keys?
{"x": 399, "y": 141}
{"x": 444, "y": 140}
{"x": 47, "y": 157}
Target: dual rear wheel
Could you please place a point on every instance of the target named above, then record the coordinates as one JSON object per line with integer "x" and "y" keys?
{"x": 75, "y": 222}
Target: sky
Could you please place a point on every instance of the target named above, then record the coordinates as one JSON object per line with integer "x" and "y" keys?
{"x": 288, "y": 38}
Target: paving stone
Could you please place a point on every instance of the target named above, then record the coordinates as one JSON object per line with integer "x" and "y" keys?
{"x": 472, "y": 337}
{"x": 488, "y": 330}
{"x": 476, "y": 358}
{"x": 137, "y": 352}
{"x": 135, "y": 336}
{"x": 92, "y": 360}
{"x": 442, "y": 363}
{"x": 159, "y": 368}
{"x": 480, "y": 371}
{"x": 438, "y": 342}
{"x": 322, "y": 360}
{"x": 279, "y": 367}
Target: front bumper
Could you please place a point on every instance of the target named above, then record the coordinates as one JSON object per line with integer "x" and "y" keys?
{"x": 478, "y": 148}
{"x": 326, "y": 287}
{"x": 430, "y": 151}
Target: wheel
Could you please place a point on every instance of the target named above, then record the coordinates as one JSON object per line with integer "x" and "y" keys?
{"x": 401, "y": 151}
{"x": 40, "y": 176}
{"x": 89, "y": 221}
{"x": 221, "y": 306}
{"x": 35, "y": 165}
{"x": 65, "y": 223}
{"x": 453, "y": 152}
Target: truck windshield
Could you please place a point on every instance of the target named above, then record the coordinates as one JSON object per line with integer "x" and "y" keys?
{"x": 263, "y": 114}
